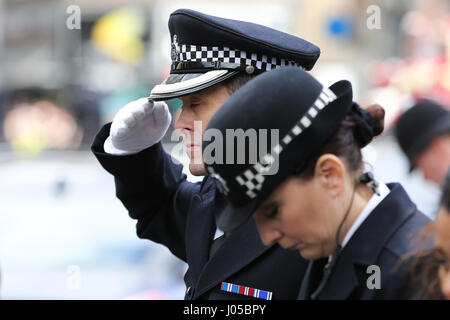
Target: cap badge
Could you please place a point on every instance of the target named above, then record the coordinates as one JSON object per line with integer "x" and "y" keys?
{"x": 175, "y": 48}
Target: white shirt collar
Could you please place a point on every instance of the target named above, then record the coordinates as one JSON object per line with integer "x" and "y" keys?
{"x": 218, "y": 233}
{"x": 370, "y": 206}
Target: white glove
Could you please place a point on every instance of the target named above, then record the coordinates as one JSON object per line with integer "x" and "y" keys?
{"x": 137, "y": 126}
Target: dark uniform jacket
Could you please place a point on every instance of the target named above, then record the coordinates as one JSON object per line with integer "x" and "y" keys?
{"x": 180, "y": 215}
{"x": 387, "y": 235}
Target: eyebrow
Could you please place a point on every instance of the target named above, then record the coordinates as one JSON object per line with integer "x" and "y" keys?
{"x": 194, "y": 97}
{"x": 189, "y": 98}
{"x": 197, "y": 94}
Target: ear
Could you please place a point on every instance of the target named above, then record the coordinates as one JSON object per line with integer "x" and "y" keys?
{"x": 330, "y": 171}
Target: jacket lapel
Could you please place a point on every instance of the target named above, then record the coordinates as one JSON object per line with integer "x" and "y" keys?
{"x": 239, "y": 249}
{"x": 201, "y": 228}
{"x": 313, "y": 276}
{"x": 342, "y": 286}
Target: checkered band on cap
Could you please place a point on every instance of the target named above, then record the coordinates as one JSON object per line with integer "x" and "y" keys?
{"x": 194, "y": 53}
{"x": 253, "y": 179}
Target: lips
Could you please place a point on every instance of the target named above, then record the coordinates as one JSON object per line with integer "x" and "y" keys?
{"x": 289, "y": 247}
{"x": 295, "y": 246}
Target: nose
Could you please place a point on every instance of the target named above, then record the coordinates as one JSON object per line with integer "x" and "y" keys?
{"x": 184, "y": 121}
{"x": 268, "y": 234}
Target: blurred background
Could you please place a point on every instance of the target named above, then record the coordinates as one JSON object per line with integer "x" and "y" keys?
{"x": 66, "y": 68}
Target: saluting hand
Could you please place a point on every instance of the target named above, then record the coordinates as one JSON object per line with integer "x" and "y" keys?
{"x": 137, "y": 126}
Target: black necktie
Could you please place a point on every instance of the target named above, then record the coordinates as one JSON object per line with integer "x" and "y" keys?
{"x": 326, "y": 272}
{"x": 316, "y": 275}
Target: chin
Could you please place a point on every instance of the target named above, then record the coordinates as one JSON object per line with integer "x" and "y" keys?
{"x": 197, "y": 169}
{"x": 311, "y": 253}
{"x": 308, "y": 255}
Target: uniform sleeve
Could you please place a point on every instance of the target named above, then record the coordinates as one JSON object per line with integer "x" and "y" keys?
{"x": 153, "y": 190}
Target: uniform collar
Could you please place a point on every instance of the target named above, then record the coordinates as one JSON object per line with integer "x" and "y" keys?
{"x": 370, "y": 206}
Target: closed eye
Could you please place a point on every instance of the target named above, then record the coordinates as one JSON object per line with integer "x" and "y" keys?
{"x": 190, "y": 102}
{"x": 269, "y": 211}
{"x": 195, "y": 101}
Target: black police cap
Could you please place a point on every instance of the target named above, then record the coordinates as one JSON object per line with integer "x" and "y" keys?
{"x": 419, "y": 125}
{"x": 207, "y": 50}
{"x": 306, "y": 115}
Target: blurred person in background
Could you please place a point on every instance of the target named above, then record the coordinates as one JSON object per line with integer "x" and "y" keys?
{"x": 430, "y": 270}
{"x": 318, "y": 202}
{"x": 442, "y": 244}
{"x": 423, "y": 133}
{"x": 211, "y": 58}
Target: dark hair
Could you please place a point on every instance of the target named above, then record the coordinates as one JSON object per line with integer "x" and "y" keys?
{"x": 346, "y": 142}
{"x": 423, "y": 280}
{"x": 445, "y": 196}
{"x": 234, "y": 83}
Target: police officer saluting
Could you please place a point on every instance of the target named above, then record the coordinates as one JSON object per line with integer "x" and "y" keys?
{"x": 211, "y": 58}
{"x": 309, "y": 193}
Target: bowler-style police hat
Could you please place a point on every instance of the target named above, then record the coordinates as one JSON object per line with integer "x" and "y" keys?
{"x": 306, "y": 115}
{"x": 207, "y": 50}
{"x": 419, "y": 125}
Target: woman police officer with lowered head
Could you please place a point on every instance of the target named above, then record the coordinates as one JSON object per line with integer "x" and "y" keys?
{"x": 308, "y": 192}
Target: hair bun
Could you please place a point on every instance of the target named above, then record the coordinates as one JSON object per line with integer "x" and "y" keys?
{"x": 369, "y": 123}
{"x": 377, "y": 112}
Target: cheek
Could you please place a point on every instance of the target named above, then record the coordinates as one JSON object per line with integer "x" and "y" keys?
{"x": 442, "y": 230}
{"x": 431, "y": 166}
{"x": 300, "y": 220}
{"x": 444, "y": 280}
{"x": 424, "y": 160}
{"x": 207, "y": 109}
{"x": 444, "y": 165}
{"x": 315, "y": 230}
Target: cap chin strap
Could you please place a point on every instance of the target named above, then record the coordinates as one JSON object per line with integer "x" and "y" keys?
{"x": 365, "y": 179}
{"x": 200, "y": 67}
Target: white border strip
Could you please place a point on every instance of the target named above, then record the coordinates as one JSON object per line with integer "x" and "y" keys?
{"x": 188, "y": 84}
